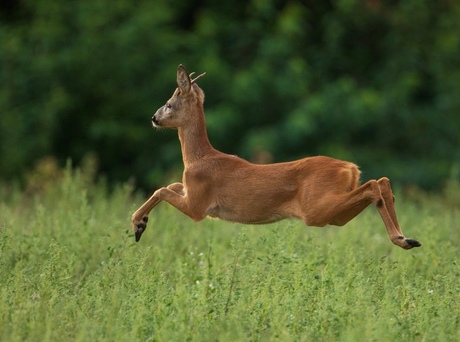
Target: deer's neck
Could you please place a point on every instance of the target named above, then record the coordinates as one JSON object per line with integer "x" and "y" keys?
{"x": 194, "y": 141}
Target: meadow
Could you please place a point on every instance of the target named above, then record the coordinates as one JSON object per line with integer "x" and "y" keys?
{"x": 71, "y": 271}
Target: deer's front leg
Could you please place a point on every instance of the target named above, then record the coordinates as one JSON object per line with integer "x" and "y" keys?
{"x": 140, "y": 217}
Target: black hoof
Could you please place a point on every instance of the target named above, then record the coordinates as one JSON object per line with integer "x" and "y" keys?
{"x": 413, "y": 243}
{"x": 140, "y": 229}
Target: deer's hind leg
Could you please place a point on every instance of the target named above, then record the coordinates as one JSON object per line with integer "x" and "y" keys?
{"x": 340, "y": 208}
{"x": 340, "y": 202}
{"x": 389, "y": 199}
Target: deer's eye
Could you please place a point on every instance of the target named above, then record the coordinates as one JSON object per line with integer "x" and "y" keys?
{"x": 168, "y": 105}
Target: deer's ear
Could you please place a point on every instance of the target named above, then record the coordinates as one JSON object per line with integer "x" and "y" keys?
{"x": 183, "y": 80}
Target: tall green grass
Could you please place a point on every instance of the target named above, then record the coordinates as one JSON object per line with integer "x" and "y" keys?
{"x": 70, "y": 271}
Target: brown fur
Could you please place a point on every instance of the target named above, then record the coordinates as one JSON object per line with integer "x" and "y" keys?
{"x": 317, "y": 190}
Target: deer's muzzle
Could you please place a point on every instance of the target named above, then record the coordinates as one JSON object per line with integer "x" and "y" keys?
{"x": 155, "y": 122}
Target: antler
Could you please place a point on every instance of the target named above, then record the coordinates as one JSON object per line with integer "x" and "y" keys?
{"x": 196, "y": 78}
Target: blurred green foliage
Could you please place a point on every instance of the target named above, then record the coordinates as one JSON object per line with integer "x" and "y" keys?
{"x": 370, "y": 81}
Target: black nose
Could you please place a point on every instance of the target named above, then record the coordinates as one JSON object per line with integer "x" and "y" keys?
{"x": 154, "y": 120}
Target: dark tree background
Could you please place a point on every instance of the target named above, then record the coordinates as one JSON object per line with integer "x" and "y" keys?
{"x": 372, "y": 81}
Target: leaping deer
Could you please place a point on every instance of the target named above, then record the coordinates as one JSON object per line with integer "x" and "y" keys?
{"x": 317, "y": 190}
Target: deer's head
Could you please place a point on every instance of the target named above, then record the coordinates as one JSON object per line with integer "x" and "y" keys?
{"x": 180, "y": 109}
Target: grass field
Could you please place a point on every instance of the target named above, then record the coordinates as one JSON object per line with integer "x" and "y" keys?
{"x": 71, "y": 271}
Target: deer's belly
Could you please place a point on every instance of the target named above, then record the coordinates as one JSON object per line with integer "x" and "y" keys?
{"x": 244, "y": 216}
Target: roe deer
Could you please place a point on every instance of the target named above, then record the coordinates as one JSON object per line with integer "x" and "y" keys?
{"x": 317, "y": 190}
